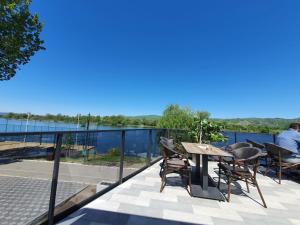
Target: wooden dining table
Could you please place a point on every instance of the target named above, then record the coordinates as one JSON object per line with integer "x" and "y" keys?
{"x": 203, "y": 185}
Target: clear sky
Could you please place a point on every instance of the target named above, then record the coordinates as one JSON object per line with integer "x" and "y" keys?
{"x": 231, "y": 58}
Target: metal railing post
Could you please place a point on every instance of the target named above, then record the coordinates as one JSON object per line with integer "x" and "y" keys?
{"x": 6, "y": 125}
{"x": 40, "y": 138}
{"x": 122, "y": 156}
{"x": 150, "y": 145}
{"x": 54, "y": 179}
{"x": 235, "y": 137}
{"x": 274, "y": 138}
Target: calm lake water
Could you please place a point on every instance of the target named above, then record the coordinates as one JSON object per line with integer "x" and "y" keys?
{"x": 10, "y": 125}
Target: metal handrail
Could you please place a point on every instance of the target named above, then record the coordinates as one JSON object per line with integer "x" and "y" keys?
{"x": 76, "y": 132}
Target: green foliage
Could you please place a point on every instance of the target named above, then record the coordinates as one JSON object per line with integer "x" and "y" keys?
{"x": 106, "y": 120}
{"x": 210, "y": 131}
{"x": 106, "y": 160}
{"x": 19, "y": 36}
{"x": 191, "y": 123}
{"x": 114, "y": 152}
{"x": 175, "y": 117}
{"x": 67, "y": 141}
{"x": 258, "y": 125}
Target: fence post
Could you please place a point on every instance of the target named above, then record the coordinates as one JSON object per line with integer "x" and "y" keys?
{"x": 274, "y": 138}
{"x": 6, "y": 125}
{"x": 40, "y": 138}
{"x": 235, "y": 137}
{"x": 122, "y": 157}
{"x": 149, "y": 150}
{"x": 54, "y": 179}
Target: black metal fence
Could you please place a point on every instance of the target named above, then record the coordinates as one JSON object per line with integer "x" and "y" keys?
{"x": 60, "y": 166}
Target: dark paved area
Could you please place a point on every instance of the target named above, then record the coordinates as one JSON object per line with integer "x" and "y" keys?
{"x": 24, "y": 199}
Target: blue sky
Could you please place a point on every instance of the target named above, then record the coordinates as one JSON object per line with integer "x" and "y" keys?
{"x": 231, "y": 58}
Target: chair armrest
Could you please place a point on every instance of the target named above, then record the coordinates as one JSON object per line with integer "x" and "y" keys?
{"x": 263, "y": 154}
{"x": 295, "y": 165}
{"x": 257, "y": 156}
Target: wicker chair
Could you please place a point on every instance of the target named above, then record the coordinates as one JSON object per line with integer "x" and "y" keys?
{"x": 278, "y": 160}
{"x": 245, "y": 158}
{"x": 168, "y": 153}
{"x": 264, "y": 154}
{"x": 255, "y": 144}
{"x": 179, "y": 165}
{"x": 232, "y": 147}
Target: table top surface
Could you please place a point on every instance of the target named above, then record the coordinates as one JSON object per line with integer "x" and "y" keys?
{"x": 204, "y": 149}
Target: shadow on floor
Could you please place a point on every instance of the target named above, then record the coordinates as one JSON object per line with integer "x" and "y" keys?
{"x": 88, "y": 216}
{"x": 236, "y": 188}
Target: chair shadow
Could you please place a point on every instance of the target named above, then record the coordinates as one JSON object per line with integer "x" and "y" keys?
{"x": 236, "y": 188}
{"x": 285, "y": 175}
{"x": 176, "y": 181}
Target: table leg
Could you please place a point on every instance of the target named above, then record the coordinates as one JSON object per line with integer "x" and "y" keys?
{"x": 202, "y": 185}
{"x": 204, "y": 174}
{"x": 198, "y": 165}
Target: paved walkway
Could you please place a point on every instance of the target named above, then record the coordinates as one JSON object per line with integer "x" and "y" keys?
{"x": 138, "y": 202}
{"x": 24, "y": 199}
{"x": 25, "y": 186}
{"x": 73, "y": 172}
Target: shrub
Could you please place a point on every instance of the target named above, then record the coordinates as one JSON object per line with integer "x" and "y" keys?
{"x": 114, "y": 152}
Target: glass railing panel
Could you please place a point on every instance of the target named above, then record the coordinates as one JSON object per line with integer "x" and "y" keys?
{"x": 136, "y": 150}
{"x": 89, "y": 163}
{"x": 257, "y": 137}
{"x": 26, "y": 168}
{"x": 156, "y": 148}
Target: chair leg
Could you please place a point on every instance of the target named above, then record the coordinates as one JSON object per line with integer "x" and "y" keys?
{"x": 219, "y": 181}
{"x": 161, "y": 173}
{"x": 229, "y": 188}
{"x": 163, "y": 181}
{"x": 279, "y": 174}
{"x": 190, "y": 182}
{"x": 268, "y": 166}
{"x": 247, "y": 184}
{"x": 259, "y": 192}
{"x": 266, "y": 161}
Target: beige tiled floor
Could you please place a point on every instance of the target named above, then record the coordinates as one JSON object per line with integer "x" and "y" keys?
{"x": 138, "y": 201}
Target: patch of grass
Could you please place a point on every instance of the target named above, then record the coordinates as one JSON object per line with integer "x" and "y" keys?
{"x": 105, "y": 159}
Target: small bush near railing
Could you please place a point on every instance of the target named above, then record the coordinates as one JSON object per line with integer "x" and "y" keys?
{"x": 114, "y": 152}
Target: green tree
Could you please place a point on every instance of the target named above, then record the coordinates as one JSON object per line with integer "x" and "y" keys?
{"x": 210, "y": 131}
{"x": 193, "y": 123}
{"x": 19, "y": 36}
{"x": 175, "y": 117}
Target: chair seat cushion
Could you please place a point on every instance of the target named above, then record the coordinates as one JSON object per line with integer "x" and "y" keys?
{"x": 228, "y": 169}
{"x": 176, "y": 162}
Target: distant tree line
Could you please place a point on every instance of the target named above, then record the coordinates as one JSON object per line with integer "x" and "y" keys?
{"x": 228, "y": 126}
{"x": 117, "y": 121}
{"x": 257, "y": 125}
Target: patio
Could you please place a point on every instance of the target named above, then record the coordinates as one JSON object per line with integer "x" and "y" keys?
{"x": 138, "y": 201}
